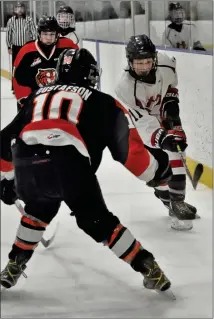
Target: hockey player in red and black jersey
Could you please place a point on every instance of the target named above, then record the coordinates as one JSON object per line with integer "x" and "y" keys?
{"x": 57, "y": 142}
{"x": 66, "y": 21}
{"x": 35, "y": 64}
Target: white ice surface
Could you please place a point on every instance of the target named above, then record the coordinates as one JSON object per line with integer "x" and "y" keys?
{"x": 78, "y": 278}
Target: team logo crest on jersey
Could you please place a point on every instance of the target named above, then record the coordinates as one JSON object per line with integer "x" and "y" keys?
{"x": 45, "y": 77}
{"x": 67, "y": 59}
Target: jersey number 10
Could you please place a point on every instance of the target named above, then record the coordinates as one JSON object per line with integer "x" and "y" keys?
{"x": 62, "y": 105}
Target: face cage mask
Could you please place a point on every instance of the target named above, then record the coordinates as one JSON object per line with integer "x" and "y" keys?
{"x": 65, "y": 20}
{"x": 178, "y": 16}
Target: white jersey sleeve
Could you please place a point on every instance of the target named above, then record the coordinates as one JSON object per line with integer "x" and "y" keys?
{"x": 143, "y": 101}
{"x": 145, "y": 124}
{"x": 165, "y": 39}
{"x": 183, "y": 39}
{"x": 73, "y": 36}
{"x": 169, "y": 74}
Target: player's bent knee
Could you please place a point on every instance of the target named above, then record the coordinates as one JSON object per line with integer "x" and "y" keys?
{"x": 99, "y": 227}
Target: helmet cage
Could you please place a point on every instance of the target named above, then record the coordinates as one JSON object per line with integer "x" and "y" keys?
{"x": 177, "y": 15}
{"x": 65, "y": 20}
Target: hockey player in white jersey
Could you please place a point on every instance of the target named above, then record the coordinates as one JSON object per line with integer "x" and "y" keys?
{"x": 66, "y": 20}
{"x": 148, "y": 89}
{"x": 180, "y": 33}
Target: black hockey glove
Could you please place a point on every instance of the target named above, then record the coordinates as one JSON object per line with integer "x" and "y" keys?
{"x": 170, "y": 109}
{"x": 168, "y": 140}
{"x": 7, "y": 191}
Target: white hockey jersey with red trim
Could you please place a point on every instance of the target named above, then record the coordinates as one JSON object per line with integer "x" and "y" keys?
{"x": 185, "y": 39}
{"x": 144, "y": 101}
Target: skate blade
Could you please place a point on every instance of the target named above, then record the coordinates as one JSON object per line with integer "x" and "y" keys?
{"x": 167, "y": 294}
{"x": 181, "y": 225}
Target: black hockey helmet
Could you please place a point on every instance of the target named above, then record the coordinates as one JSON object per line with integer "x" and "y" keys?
{"x": 48, "y": 24}
{"x": 65, "y": 18}
{"x": 140, "y": 47}
{"x": 77, "y": 66}
{"x": 176, "y": 12}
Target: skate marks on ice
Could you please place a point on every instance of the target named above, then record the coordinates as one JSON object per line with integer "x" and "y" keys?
{"x": 78, "y": 278}
{"x": 83, "y": 291}
{"x": 81, "y": 279}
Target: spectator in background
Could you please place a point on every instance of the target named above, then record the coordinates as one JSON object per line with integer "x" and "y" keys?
{"x": 125, "y": 9}
{"x": 180, "y": 33}
{"x": 20, "y": 29}
{"x": 108, "y": 11}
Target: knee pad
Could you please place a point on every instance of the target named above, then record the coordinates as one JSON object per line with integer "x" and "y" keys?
{"x": 99, "y": 227}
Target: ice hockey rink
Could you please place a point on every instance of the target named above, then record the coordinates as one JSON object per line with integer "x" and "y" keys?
{"x": 78, "y": 278}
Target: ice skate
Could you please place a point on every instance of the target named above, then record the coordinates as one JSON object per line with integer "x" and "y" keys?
{"x": 182, "y": 216}
{"x": 154, "y": 277}
{"x": 192, "y": 208}
{"x": 11, "y": 274}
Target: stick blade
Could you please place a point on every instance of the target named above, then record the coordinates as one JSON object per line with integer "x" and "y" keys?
{"x": 47, "y": 242}
{"x": 197, "y": 174}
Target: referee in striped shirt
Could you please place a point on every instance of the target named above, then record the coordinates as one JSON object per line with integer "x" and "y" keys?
{"x": 20, "y": 29}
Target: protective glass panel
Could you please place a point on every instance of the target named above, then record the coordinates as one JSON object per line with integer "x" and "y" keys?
{"x": 157, "y": 15}
{"x": 42, "y": 8}
{"x": 202, "y": 14}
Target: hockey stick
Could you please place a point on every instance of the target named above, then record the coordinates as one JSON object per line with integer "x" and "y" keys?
{"x": 45, "y": 243}
{"x": 198, "y": 170}
{"x": 197, "y": 173}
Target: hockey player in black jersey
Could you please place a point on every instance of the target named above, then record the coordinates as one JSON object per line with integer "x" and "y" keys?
{"x": 57, "y": 142}
{"x": 35, "y": 64}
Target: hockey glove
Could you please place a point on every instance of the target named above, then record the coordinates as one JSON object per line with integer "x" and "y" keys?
{"x": 168, "y": 140}
{"x": 7, "y": 191}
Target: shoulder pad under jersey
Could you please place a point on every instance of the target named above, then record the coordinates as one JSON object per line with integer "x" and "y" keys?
{"x": 164, "y": 59}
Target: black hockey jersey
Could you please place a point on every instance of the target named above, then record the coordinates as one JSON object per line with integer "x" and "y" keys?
{"x": 90, "y": 120}
{"x": 33, "y": 69}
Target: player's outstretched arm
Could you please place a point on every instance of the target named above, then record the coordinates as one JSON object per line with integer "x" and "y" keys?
{"x": 127, "y": 147}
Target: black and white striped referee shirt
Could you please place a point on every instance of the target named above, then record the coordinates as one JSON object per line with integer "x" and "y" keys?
{"x": 20, "y": 30}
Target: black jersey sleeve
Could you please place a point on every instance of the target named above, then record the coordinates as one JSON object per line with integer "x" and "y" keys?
{"x": 11, "y": 130}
